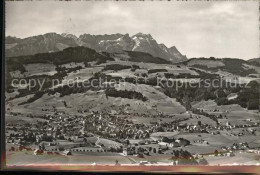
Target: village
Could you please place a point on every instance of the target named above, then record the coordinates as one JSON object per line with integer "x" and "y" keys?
{"x": 95, "y": 133}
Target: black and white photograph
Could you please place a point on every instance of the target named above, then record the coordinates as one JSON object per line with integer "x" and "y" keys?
{"x": 132, "y": 84}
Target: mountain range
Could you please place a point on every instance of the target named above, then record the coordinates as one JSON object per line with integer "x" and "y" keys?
{"x": 114, "y": 43}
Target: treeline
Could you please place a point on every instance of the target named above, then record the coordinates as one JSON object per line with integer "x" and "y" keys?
{"x": 69, "y": 89}
{"x": 36, "y": 96}
{"x": 72, "y": 54}
{"x": 231, "y": 65}
{"x": 117, "y": 67}
{"x": 248, "y": 96}
{"x": 47, "y": 82}
{"x": 67, "y": 70}
{"x": 182, "y": 157}
{"x": 156, "y": 70}
{"x": 125, "y": 94}
{"x": 145, "y": 58}
{"x": 181, "y": 75}
{"x": 201, "y": 112}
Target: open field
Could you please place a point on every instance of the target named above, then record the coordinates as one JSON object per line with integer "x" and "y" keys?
{"x": 196, "y": 118}
{"x": 156, "y": 98}
{"x": 97, "y": 101}
{"x": 26, "y": 158}
{"x": 22, "y": 119}
{"x": 73, "y": 65}
{"x": 39, "y": 69}
{"x": 234, "y": 113}
{"x": 23, "y": 158}
{"x": 112, "y": 121}
{"x": 82, "y": 75}
{"x": 108, "y": 143}
{"x": 239, "y": 159}
{"x": 148, "y": 120}
{"x": 174, "y": 69}
{"x": 207, "y": 63}
{"x": 164, "y": 134}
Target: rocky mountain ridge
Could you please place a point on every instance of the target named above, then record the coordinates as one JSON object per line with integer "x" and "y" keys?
{"x": 53, "y": 42}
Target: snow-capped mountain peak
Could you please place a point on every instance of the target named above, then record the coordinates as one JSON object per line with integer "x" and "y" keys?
{"x": 109, "y": 42}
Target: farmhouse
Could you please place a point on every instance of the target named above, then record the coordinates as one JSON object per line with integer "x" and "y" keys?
{"x": 230, "y": 154}
{"x": 67, "y": 153}
{"x": 128, "y": 151}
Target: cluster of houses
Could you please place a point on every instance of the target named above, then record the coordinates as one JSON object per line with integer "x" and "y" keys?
{"x": 236, "y": 146}
{"x": 171, "y": 142}
{"x": 78, "y": 129}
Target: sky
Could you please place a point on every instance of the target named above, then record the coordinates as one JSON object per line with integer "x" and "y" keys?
{"x": 197, "y": 28}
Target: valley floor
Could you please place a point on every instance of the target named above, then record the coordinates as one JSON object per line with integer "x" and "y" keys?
{"x": 28, "y": 159}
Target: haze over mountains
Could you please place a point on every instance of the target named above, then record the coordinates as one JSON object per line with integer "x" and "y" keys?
{"x": 53, "y": 42}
